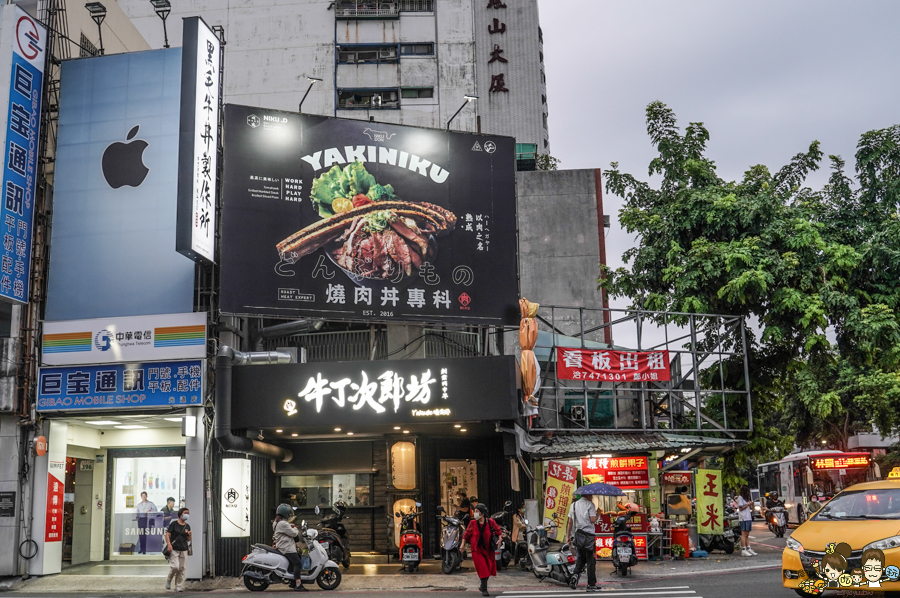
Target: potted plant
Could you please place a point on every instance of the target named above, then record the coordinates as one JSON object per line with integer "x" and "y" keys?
{"x": 677, "y": 551}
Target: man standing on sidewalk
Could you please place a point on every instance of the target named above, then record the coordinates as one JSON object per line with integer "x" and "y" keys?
{"x": 581, "y": 536}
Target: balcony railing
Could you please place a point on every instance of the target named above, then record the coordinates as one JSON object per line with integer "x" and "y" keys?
{"x": 367, "y": 10}
{"x": 416, "y": 5}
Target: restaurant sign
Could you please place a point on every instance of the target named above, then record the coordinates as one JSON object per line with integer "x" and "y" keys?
{"x": 625, "y": 473}
{"x": 677, "y": 478}
{"x": 612, "y": 366}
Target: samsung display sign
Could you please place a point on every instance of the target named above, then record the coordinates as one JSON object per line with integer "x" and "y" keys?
{"x": 369, "y": 392}
{"x": 346, "y": 219}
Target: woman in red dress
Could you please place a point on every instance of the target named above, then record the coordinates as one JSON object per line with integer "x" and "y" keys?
{"x": 478, "y": 535}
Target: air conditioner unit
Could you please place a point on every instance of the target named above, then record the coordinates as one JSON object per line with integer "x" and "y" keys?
{"x": 388, "y": 53}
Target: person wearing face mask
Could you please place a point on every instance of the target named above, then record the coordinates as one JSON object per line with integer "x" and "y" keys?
{"x": 518, "y": 534}
{"x": 178, "y": 535}
{"x": 479, "y": 534}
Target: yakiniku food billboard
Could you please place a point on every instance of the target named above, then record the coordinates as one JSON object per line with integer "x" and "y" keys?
{"x": 354, "y": 220}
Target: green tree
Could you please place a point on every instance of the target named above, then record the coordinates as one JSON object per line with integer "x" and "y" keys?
{"x": 817, "y": 270}
{"x": 546, "y": 162}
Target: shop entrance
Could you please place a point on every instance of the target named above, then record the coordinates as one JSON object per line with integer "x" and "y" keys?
{"x": 459, "y": 481}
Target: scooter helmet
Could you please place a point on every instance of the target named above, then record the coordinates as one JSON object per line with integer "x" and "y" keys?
{"x": 284, "y": 510}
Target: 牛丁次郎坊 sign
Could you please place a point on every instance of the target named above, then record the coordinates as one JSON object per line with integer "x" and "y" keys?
{"x": 607, "y": 365}
{"x": 121, "y": 386}
{"x": 199, "y": 141}
{"x": 134, "y": 339}
{"x": 347, "y": 219}
{"x": 558, "y": 496}
{"x": 372, "y": 392}
{"x": 23, "y": 45}
{"x": 710, "y": 504}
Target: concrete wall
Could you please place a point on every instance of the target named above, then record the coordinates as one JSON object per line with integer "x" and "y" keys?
{"x": 273, "y": 45}
{"x": 9, "y": 482}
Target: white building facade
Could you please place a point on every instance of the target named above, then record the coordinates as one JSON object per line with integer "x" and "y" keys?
{"x": 410, "y": 62}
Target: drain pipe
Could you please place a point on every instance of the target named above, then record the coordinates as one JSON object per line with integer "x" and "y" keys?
{"x": 225, "y": 359}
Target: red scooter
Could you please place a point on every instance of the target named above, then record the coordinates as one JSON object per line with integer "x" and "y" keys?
{"x": 410, "y": 540}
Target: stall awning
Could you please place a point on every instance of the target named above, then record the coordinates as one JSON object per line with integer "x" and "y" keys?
{"x": 581, "y": 445}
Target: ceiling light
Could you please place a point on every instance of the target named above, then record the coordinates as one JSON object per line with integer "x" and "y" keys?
{"x": 457, "y": 426}
{"x": 601, "y": 456}
{"x": 103, "y": 422}
{"x": 396, "y": 427}
{"x": 172, "y": 419}
{"x": 406, "y": 431}
{"x": 337, "y": 429}
{"x": 294, "y": 434}
{"x": 279, "y": 431}
{"x": 462, "y": 429}
{"x": 349, "y": 433}
{"x": 132, "y": 427}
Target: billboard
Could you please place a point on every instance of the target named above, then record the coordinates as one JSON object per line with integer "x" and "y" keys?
{"x": 121, "y": 386}
{"x": 23, "y": 44}
{"x": 612, "y": 366}
{"x": 114, "y": 207}
{"x": 199, "y": 141}
{"x": 348, "y": 219}
{"x": 625, "y": 473}
{"x": 375, "y": 392}
{"x": 110, "y": 340}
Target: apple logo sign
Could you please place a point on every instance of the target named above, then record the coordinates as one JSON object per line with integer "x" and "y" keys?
{"x": 123, "y": 163}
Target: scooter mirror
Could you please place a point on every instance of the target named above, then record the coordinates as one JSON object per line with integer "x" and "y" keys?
{"x": 418, "y": 505}
{"x": 318, "y": 510}
{"x": 526, "y": 521}
{"x": 507, "y": 504}
{"x": 398, "y": 514}
{"x": 440, "y": 509}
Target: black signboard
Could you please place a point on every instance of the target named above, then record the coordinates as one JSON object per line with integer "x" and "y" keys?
{"x": 7, "y": 504}
{"x": 372, "y": 392}
{"x": 347, "y": 219}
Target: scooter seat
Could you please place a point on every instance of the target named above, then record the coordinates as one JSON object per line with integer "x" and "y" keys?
{"x": 266, "y": 548}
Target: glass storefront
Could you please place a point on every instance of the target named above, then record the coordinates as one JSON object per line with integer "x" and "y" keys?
{"x": 309, "y": 491}
{"x": 141, "y": 487}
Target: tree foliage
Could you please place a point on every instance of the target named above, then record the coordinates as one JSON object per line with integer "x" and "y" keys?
{"x": 818, "y": 271}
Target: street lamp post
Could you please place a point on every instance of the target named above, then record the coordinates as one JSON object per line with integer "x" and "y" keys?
{"x": 469, "y": 98}
{"x": 98, "y": 13}
{"x": 312, "y": 81}
{"x": 162, "y": 9}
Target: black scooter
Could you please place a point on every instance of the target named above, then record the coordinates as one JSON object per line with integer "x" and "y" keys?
{"x": 505, "y": 550}
{"x": 333, "y": 535}
{"x": 624, "y": 554}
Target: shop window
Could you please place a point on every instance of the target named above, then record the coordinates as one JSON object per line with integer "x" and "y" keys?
{"x": 417, "y": 49}
{"x": 459, "y": 480}
{"x": 367, "y": 54}
{"x": 371, "y": 99}
{"x": 403, "y": 465}
{"x": 310, "y": 491}
{"x": 417, "y": 92}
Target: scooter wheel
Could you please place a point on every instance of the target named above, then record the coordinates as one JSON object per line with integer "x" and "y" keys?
{"x": 255, "y": 585}
{"x": 329, "y": 578}
{"x": 623, "y": 570}
{"x": 729, "y": 548}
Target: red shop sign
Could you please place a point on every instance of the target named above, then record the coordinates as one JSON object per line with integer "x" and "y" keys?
{"x": 625, "y": 473}
{"x": 637, "y": 523}
{"x": 54, "y": 522}
{"x": 612, "y": 366}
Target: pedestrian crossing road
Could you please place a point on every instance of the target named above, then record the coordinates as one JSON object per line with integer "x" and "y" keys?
{"x": 654, "y": 592}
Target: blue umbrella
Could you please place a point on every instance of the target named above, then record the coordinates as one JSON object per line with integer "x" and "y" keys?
{"x": 599, "y": 489}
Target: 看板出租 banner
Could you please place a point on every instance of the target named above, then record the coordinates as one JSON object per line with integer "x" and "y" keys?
{"x": 353, "y": 220}
{"x": 607, "y": 365}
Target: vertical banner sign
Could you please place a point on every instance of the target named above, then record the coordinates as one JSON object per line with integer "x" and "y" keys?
{"x": 53, "y": 530}
{"x": 558, "y": 496}
{"x": 236, "y": 498}
{"x": 198, "y": 142}
{"x": 23, "y": 42}
{"x": 709, "y": 502}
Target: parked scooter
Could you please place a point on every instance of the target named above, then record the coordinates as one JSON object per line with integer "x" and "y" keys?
{"x": 451, "y": 540}
{"x": 265, "y": 566}
{"x": 333, "y": 535}
{"x": 557, "y": 564}
{"x": 732, "y": 525}
{"x": 776, "y": 517}
{"x": 410, "y": 540}
{"x": 503, "y": 555}
{"x": 624, "y": 554}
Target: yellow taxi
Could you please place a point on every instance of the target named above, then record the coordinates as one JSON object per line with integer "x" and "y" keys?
{"x": 863, "y": 524}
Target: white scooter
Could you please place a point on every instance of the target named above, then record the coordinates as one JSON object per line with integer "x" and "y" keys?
{"x": 265, "y": 566}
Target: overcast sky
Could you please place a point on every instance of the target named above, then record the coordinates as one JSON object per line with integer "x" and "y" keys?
{"x": 766, "y": 77}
